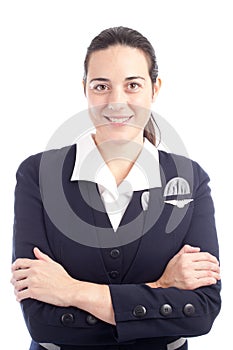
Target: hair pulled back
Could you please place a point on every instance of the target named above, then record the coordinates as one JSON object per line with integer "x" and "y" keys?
{"x": 132, "y": 38}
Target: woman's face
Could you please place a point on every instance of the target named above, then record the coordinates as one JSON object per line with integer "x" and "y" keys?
{"x": 119, "y": 93}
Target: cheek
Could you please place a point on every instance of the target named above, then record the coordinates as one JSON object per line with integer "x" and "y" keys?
{"x": 95, "y": 114}
{"x": 95, "y": 106}
{"x": 144, "y": 99}
{"x": 95, "y": 99}
{"x": 145, "y": 116}
{"x": 142, "y": 110}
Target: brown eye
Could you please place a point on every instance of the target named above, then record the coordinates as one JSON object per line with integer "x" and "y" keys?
{"x": 133, "y": 86}
{"x": 101, "y": 87}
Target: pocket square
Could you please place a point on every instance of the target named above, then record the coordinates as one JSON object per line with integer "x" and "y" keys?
{"x": 180, "y": 203}
{"x": 177, "y": 186}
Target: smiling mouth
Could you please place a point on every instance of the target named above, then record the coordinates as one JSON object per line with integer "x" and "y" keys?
{"x": 118, "y": 120}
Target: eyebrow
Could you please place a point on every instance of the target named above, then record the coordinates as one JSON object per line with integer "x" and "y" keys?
{"x": 126, "y": 79}
{"x": 99, "y": 79}
{"x": 136, "y": 77}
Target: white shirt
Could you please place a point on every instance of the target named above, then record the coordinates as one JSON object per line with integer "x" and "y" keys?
{"x": 90, "y": 166}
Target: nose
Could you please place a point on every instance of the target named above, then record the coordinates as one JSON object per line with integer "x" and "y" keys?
{"x": 117, "y": 99}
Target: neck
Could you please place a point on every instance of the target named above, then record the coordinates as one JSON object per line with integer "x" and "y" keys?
{"x": 116, "y": 149}
{"x": 120, "y": 156}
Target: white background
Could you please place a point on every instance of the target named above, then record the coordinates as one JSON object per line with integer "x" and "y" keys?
{"x": 43, "y": 44}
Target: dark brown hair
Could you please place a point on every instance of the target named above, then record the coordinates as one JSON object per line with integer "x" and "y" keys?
{"x": 132, "y": 38}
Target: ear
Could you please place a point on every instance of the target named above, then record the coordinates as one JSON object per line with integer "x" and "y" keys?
{"x": 84, "y": 86}
{"x": 156, "y": 88}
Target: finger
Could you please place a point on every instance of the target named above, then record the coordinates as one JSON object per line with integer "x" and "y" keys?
{"x": 41, "y": 256}
{"x": 20, "y": 285}
{"x": 21, "y": 263}
{"x": 204, "y": 256}
{"x": 207, "y": 274}
{"x": 23, "y": 294}
{"x": 19, "y": 275}
{"x": 188, "y": 249}
{"x": 205, "y": 281}
{"x": 207, "y": 265}
{"x": 15, "y": 278}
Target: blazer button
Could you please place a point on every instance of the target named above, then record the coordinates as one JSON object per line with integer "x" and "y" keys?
{"x": 91, "y": 320}
{"x": 139, "y": 311}
{"x": 166, "y": 310}
{"x": 67, "y": 319}
{"x": 114, "y": 274}
{"x": 189, "y": 309}
{"x": 115, "y": 253}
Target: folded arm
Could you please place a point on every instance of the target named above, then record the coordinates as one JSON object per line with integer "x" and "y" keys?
{"x": 48, "y": 293}
{"x": 45, "y": 280}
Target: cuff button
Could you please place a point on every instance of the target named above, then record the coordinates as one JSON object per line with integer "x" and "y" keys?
{"x": 67, "y": 319}
{"x": 189, "y": 309}
{"x": 166, "y": 310}
{"x": 91, "y": 320}
{"x": 139, "y": 311}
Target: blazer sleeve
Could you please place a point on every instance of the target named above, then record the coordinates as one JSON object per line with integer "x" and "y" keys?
{"x": 46, "y": 323}
{"x": 143, "y": 312}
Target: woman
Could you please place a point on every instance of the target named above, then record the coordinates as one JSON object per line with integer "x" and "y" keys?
{"x": 148, "y": 275}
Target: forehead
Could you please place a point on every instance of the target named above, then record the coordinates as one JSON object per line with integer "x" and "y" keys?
{"x": 118, "y": 59}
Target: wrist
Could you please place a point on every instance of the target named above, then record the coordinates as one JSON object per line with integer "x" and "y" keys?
{"x": 86, "y": 295}
{"x": 74, "y": 293}
{"x": 94, "y": 299}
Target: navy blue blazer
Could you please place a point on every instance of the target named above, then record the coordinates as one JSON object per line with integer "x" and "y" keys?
{"x": 146, "y": 318}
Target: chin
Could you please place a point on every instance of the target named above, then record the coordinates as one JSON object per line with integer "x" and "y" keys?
{"x": 122, "y": 139}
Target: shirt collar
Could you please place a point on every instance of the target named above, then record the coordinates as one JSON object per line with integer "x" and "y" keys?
{"x": 90, "y": 166}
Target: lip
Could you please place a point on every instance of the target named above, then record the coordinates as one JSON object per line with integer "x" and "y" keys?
{"x": 118, "y": 120}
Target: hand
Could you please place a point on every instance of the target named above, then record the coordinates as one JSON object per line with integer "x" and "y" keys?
{"x": 45, "y": 280}
{"x": 189, "y": 269}
{"x": 42, "y": 279}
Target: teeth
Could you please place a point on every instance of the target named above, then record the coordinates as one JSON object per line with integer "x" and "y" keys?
{"x": 118, "y": 120}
